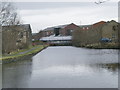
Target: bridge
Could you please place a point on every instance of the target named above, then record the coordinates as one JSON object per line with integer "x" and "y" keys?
{"x": 57, "y": 40}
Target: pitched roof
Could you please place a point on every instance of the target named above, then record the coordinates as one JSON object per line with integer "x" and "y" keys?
{"x": 59, "y": 26}
{"x": 13, "y": 27}
{"x": 99, "y": 23}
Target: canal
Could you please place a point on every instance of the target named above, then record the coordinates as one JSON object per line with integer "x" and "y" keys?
{"x": 64, "y": 67}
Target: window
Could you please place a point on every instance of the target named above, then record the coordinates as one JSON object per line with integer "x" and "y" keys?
{"x": 20, "y": 34}
{"x": 18, "y": 41}
{"x": 71, "y": 31}
{"x": 57, "y": 31}
{"x": 114, "y": 28}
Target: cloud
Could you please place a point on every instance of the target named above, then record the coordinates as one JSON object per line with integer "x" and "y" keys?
{"x": 59, "y": 0}
{"x": 44, "y": 16}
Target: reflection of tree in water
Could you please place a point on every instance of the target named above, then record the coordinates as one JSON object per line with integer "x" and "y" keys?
{"x": 111, "y": 66}
{"x": 17, "y": 74}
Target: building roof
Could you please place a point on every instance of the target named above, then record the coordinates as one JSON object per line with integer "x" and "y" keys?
{"x": 59, "y": 26}
{"x": 113, "y": 21}
{"x": 13, "y": 27}
{"x": 52, "y": 28}
{"x": 99, "y": 23}
{"x": 96, "y": 24}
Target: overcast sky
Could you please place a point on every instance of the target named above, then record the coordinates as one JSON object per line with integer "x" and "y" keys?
{"x": 46, "y": 14}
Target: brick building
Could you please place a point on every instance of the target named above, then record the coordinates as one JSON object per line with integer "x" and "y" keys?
{"x": 110, "y": 30}
{"x": 62, "y": 30}
{"x": 37, "y": 36}
{"x": 91, "y": 34}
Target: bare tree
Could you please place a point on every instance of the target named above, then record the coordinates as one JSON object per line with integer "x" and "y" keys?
{"x": 8, "y": 14}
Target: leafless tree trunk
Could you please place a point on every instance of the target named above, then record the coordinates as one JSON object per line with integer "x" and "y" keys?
{"x": 8, "y": 14}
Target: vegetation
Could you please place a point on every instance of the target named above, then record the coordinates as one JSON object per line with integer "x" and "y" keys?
{"x": 24, "y": 52}
{"x": 111, "y": 66}
{"x": 92, "y": 38}
{"x": 9, "y": 14}
{"x": 110, "y": 45}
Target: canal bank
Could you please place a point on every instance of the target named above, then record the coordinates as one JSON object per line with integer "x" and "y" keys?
{"x": 107, "y": 45}
{"x": 21, "y": 55}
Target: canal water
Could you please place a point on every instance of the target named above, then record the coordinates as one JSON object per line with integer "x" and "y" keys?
{"x": 64, "y": 67}
{"x": 0, "y": 76}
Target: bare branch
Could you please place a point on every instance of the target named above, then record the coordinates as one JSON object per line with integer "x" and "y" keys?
{"x": 8, "y": 14}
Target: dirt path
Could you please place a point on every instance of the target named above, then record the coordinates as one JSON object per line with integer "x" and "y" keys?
{"x": 24, "y": 52}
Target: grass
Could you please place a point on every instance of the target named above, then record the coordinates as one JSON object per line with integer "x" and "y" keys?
{"x": 33, "y": 50}
{"x": 18, "y": 51}
{"x": 103, "y": 46}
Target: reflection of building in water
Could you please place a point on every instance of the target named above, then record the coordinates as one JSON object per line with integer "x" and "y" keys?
{"x": 112, "y": 67}
{"x": 17, "y": 75}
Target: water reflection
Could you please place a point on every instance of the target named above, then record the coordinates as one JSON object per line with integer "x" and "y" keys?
{"x": 0, "y": 76}
{"x": 17, "y": 74}
{"x": 78, "y": 76}
{"x": 113, "y": 67}
{"x": 64, "y": 67}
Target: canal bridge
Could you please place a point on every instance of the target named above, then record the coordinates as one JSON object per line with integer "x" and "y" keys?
{"x": 57, "y": 40}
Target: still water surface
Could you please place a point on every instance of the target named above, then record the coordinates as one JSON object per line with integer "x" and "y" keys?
{"x": 64, "y": 67}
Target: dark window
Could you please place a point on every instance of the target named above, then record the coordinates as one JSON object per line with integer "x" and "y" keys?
{"x": 18, "y": 41}
{"x": 20, "y": 35}
{"x": 56, "y": 31}
{"x": 114, "y": 28}
{"x": 69, "y": 32}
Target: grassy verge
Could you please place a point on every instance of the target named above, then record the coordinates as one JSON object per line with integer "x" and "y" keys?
{"x": 102, "y": 46}
{"x": 33, "y": 50}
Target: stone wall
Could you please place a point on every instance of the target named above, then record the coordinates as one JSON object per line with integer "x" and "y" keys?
{"x": 87, "y": 36}
{"x": 15, "y": 38}
{"x": 95, "y": 33}
{"x": 110, "y": 30}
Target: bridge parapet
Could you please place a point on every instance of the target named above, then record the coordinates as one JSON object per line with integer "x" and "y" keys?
{"x": 57, "y": 40}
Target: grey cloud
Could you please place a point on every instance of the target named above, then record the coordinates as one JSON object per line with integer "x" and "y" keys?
{"x": 46, "y": 5}
{"x": 55, "y": 13}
